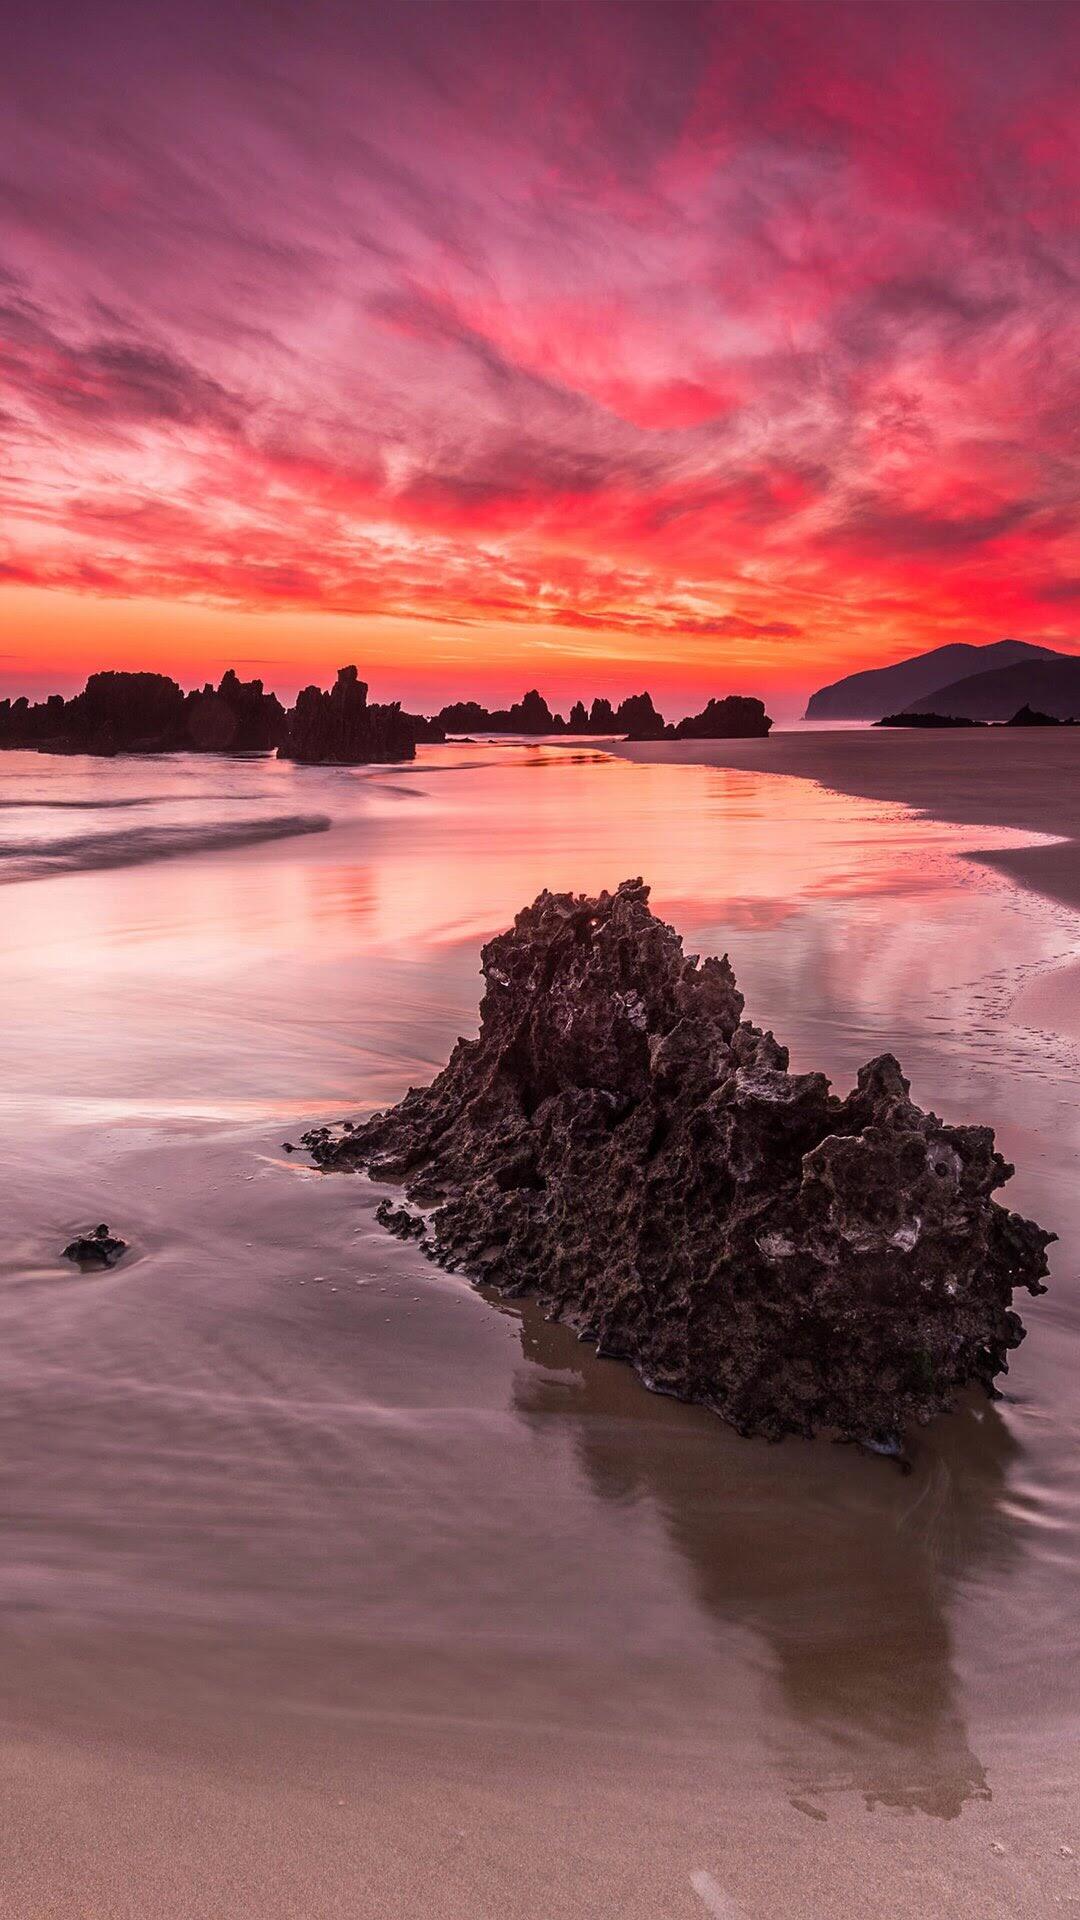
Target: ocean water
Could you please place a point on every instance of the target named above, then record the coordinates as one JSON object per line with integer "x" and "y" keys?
{"x": 329, "y": 1586}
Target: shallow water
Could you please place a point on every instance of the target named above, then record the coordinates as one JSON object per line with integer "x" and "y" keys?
{"x": 329, "y": 1586}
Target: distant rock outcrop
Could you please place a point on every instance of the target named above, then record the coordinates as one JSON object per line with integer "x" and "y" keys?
{"x": 926, "y": 722}
{"x": 1027, "y": 717}
{"x": 620, "y": 1142}
{"x": 147, "y": 713}
{"x": 638, "y": 719}
{"x": 464, "y": 716}
{"x": 530, "y": 715}
{"x": 150, "y": 713}
{"x": 123, "y": 713}
{"x": 339, "y": 728}
{"x": 735, "y": 718}
{"x": 237, "y": 716}
{"x": 878, "y": 690}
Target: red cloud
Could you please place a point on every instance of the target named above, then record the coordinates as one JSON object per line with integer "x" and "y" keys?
{"x": 753, "y": 330}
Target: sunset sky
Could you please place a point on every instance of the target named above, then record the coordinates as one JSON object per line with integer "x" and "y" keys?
{"x": 721, "y": 348}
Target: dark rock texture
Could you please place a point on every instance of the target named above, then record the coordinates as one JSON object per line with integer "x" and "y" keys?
{"x": 121, "y": 713}
{"x": 620, "y": 1142}
{"x": 148, "y": 713}
{"x": 97, "y": 1249}
{"x": 464, "y": 716}
{"x": 1026, "y": 716}
{"x": 636, "y": 715}
{"x": 926, "y": 721}
{"x": 602, "y": 717}
{"x": 339, "y": 728}
{"x": 735, "y": 718}
{"x": 531, "y": 715}
{"x": 638, "y": 719}
{"x": 235, "y": 717}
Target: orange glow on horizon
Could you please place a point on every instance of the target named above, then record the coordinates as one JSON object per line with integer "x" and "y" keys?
{"x": 68, "y": 636}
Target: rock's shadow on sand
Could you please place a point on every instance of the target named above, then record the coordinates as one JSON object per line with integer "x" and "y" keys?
{"x": 845, "y": 1568}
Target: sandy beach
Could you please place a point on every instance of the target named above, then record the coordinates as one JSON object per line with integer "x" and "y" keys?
{"x": 332, "y": 1586}
{"x": 1024, "y": 778}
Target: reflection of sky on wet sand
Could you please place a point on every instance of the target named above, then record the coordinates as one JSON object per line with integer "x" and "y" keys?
{"x": 841, "y": 916}
{"x": 850, "y": 1631}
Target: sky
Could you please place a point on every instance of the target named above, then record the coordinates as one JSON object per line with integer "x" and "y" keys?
{"x": 710, "y": 348}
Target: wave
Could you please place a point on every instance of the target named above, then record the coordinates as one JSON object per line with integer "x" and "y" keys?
{"x": 46, "y": 804}
{"x": 36, "y": 859}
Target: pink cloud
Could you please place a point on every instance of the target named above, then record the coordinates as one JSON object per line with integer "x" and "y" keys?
{"x": 755, "y": 324}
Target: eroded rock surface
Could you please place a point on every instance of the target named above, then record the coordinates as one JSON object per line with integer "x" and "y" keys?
{"x": 737, "y": 717}
{"x": 621, "y": 1142}
{"x": 341, "y": 728}
{"x": 97, "y": 1249}
{"x": 147, "y": 713}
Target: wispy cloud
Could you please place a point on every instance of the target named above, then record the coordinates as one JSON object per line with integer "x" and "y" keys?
{"x": 751, "y": 326}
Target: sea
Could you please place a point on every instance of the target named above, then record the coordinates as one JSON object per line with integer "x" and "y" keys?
{"x": 332, "y": 1586}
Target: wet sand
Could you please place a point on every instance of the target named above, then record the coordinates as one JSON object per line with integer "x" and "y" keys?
{"x": 332, "y": 1587}
{"x": 1027, "y": 778}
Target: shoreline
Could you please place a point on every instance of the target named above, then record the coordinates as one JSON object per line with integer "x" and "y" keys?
{"x": 977, "y": 778}
{"x": 271, "y": 1607}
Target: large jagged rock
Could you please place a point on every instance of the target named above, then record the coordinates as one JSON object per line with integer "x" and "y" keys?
{"x": 237, "y": 716}
{"x": 736, "y": 717}
{"x": 529, "y": 715}
{"x": 340, "y": 728}
{"x": 122, "y": 713}
{"x": 148, "y": 713}
{"x": 637, "y": 717}
{"x": 620, "y": 1142}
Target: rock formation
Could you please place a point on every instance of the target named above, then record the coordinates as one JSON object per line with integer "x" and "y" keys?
{"x": 121, "y": 713}
{"x": 927, "y": 722}
{"x": 620, "y": 1142}
{"x": 147, "y": 713}
{"x": 636, "y": 716}
{"x": 97, "y": 1249}
{"x": 602, "y": 717}
{"x": 530, "y": 715}
{"x": 339, "y": 728}
{"x": 735, "y": 718}
{"x": 465, "y": 716}
{"x": 1026, "y": 716}
{"x": 638, "y": 719}
{"x": 236, "y": 717}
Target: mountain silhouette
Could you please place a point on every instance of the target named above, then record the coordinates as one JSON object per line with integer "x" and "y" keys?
{"x": 878, "y": 690}
{"x": 1048, "y": 685}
